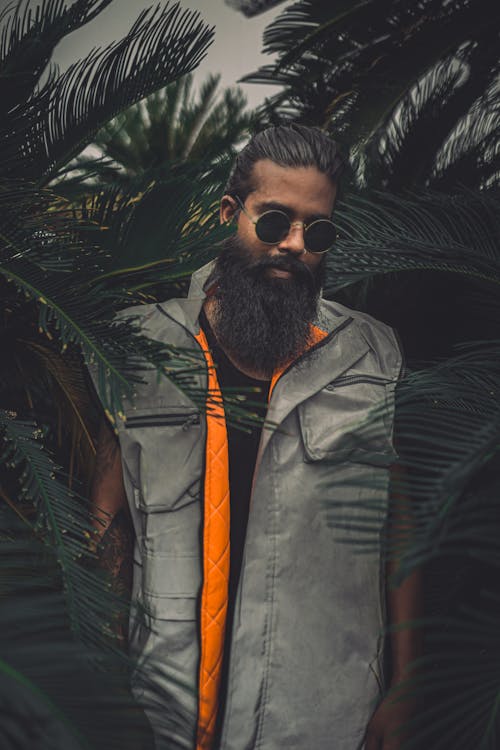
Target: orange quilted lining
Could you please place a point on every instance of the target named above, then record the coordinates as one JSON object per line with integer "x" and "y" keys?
{"x": 216, "y": 548}
{"x": 215, "y": 558}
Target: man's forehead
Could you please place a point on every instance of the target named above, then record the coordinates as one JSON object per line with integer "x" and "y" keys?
{"x": 273, "y": 183}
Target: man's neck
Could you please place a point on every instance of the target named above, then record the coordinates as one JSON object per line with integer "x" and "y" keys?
{"x": 209, "y": 307}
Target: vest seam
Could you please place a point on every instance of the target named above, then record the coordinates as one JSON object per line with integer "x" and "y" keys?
{"x": 268, "y": 633}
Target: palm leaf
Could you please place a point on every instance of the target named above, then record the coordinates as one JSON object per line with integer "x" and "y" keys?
{"x": 63, "y": 521}
{"x": 461, "y": 669}
{"x": 355, "y": 69}
{"x": 80, "y": 313}
{"x": 71, "y": 397}
{"x": 28, "y": 37}
{"x": 448, "y": 421}
{"x": 470, "y": 154}
{"x": 54, "y": 690}
{"x": 173, "y": 126}
{"x": 385, "y": 233}
{"x": 163, "y": 44}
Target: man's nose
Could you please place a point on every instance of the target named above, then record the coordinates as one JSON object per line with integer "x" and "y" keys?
{"x": 294, "y": 241}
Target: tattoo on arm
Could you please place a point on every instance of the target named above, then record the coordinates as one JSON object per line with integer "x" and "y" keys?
{"x": 116, "y": 552}
{"x": 107, "y": 450}
{"x": 115, "y": 556}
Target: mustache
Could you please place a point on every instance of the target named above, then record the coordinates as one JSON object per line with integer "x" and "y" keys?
{"x": 235, "y": 256}
{"x": 284, "y": 263}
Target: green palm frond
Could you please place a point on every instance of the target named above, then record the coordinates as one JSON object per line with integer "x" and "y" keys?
{"x": 29, "y": 36}
{"x": 62, "y": 520}
{"x": 471, "y": 153}
{"x": 55, "y": 691}
{"x": 70, "y": 395}
{"x": 176, "y": 125}
{"x": 374, "y": 74}
{"x": 452, "y": 110}
{"x": 194, "y": 117}
{"x": 462, "y": 669}
{"x": 448, "y": 422}
{"x": 39, "y": 262}
{"x": 142, "y": 234}
{"x": 382, "y": 232}
{"x": 393, "y": 153}
{"x": 163, "y": 44}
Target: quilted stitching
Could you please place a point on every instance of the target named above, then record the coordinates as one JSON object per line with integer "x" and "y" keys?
{"x": 215, "y": 558}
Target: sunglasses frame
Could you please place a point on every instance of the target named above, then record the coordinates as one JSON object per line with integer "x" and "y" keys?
{"x": 292, "y": 224}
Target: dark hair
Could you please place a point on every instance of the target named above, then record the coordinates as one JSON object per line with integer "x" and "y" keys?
{"x": 288, "y": 146}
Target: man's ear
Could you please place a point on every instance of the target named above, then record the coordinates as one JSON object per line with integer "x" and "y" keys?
{"x": 228, "y": 209}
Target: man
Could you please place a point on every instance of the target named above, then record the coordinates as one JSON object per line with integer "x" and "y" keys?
{"x": 265, "y": 628}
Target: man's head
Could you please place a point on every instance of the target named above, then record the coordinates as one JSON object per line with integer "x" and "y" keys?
{"x": 268, "y": 291}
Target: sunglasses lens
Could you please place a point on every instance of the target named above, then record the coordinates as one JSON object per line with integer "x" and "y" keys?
{"x": 320, "y": 236}
{"x": 272, "y": 226}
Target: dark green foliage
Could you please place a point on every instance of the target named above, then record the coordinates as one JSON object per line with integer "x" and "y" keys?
{"x": 29, "y": 36}
{"x": 53, "y": 121}
{"x": 410, "y": 88}
{"x": 60, "y": 296}
{"x": 173, "y": 126}
{"x": 53, "y": 692}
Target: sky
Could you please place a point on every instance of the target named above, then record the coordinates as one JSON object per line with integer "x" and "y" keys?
{"x": 237, "y": 48}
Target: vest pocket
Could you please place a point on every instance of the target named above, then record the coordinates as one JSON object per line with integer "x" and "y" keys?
{"x": 166, "y": 644}
{"x": 170, "y": 607}
{"x": 169, "y": 622}
{"x": 168, "y": 443}
{"x": 350, "y": 420}
{"x": 170, "y": 575}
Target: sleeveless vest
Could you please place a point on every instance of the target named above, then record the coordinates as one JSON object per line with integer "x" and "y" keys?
{"x": 305, "y": 666}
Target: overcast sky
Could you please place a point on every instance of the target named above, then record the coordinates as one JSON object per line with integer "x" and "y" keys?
{"x": 235, "y": 51}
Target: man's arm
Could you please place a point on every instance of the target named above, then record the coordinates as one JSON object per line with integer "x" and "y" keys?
{"x": 404, "y": 605}
{"x": 405, "y": 600}
{"x": 114, "y": 536}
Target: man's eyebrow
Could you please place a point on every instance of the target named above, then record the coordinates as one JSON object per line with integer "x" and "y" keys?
{"x": 276, "y": 206}
{"x": 272, "y": 206}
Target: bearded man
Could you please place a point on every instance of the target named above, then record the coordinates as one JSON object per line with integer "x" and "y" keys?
{"x": 251, "y": 614}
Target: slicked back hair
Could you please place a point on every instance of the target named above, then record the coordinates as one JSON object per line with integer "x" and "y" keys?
{"x": 287, "y": 146}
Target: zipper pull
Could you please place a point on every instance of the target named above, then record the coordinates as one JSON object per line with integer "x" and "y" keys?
{"x": 192, "y": 420}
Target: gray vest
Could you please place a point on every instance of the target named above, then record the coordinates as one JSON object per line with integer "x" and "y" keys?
{"x": 306, "y": 648}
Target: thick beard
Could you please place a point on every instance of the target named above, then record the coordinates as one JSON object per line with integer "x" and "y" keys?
{"x": 263, "y": 321}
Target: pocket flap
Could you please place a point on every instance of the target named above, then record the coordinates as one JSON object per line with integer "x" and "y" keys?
{"x": 170, "y": 607}
{"x": 169, "y": 575}
{"x": 350, "y": 423}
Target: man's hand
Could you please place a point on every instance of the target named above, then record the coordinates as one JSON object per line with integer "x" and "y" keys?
{"x": 388, "y": 726}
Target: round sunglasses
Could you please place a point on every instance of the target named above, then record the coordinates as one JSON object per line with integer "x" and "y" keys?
{"x": 273, "y": 226}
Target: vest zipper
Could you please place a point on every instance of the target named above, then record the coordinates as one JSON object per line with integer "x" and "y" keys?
{"x": 163, "y": 420}
{"x": 349, "y": 379}
{"x": 314, "y": 348}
